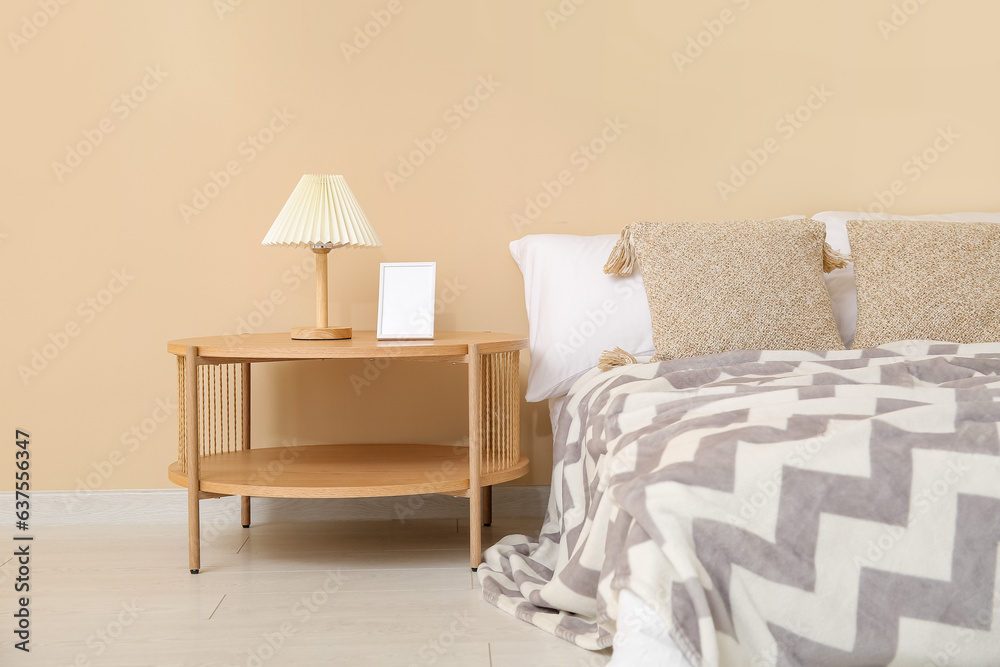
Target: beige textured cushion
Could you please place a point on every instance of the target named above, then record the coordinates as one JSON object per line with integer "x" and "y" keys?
{"x": 734, "y": 285}
{"x": 926, "y": 280}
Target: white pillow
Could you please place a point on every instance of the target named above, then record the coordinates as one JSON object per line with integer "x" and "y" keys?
{"x": 840, "y": 283}
{"x": 575, "y": 310}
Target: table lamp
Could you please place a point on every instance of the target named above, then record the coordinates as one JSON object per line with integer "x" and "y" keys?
{"x": 321, "y": 214}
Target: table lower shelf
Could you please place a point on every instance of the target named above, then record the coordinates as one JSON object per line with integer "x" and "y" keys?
{"x": 341, "y": 471}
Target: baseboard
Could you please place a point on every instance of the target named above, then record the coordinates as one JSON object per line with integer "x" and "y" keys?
{"x": 168, "y": 506}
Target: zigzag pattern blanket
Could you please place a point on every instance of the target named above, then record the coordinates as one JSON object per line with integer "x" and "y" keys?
{"x": 776, "y": 508}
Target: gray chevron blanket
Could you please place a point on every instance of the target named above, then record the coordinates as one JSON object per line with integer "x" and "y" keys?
{"x": 776, "y": 508}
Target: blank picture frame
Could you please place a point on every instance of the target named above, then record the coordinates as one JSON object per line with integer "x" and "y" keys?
{"x": 406, "y": 300}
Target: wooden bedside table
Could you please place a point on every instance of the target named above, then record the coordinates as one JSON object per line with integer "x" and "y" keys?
{"x": 214, "y": 457}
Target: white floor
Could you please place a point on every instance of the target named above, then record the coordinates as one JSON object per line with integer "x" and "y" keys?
{"x": 280, "y": 593}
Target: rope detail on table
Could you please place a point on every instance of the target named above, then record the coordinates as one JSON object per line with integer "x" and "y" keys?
{"x": 500, "y": 411}
{"x": 222, "y": 395}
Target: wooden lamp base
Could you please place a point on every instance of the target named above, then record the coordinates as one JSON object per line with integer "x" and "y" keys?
{"x": 322, "y": 330}
{"x": 321, "y": 333}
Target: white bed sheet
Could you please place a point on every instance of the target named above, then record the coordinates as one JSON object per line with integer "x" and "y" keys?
{"x": 642, "y": 638}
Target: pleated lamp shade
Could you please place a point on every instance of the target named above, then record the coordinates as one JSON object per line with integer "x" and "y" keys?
{"x": 321, "y": 214}
{"x": 322, "y": 211}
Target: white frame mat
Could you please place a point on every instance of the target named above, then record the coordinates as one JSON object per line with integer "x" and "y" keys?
{"x": 406, "y": 295}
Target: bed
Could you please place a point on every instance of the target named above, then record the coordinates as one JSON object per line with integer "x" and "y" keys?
{"x": 791, "y": 458}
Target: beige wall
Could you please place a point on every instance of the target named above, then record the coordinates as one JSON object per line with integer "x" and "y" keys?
{"x": 554, "y": 85}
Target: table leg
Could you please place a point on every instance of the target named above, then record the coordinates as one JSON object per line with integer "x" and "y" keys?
{"x": 475, "y": 457}
{"x": 487, "y": 505}
{"x": 245, "y": 500}
{"x": 191, "y": 440}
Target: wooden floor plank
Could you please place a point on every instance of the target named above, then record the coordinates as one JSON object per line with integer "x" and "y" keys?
{"x": 285, "y": 593}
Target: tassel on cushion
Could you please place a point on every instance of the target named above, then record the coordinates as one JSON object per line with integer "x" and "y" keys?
{"x": 622, "y": 259}
{"x": 832, "y": 259}
{"x": 615, "y": 358}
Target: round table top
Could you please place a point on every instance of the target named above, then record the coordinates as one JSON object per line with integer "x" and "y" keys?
{"x": 272, "y": 346}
